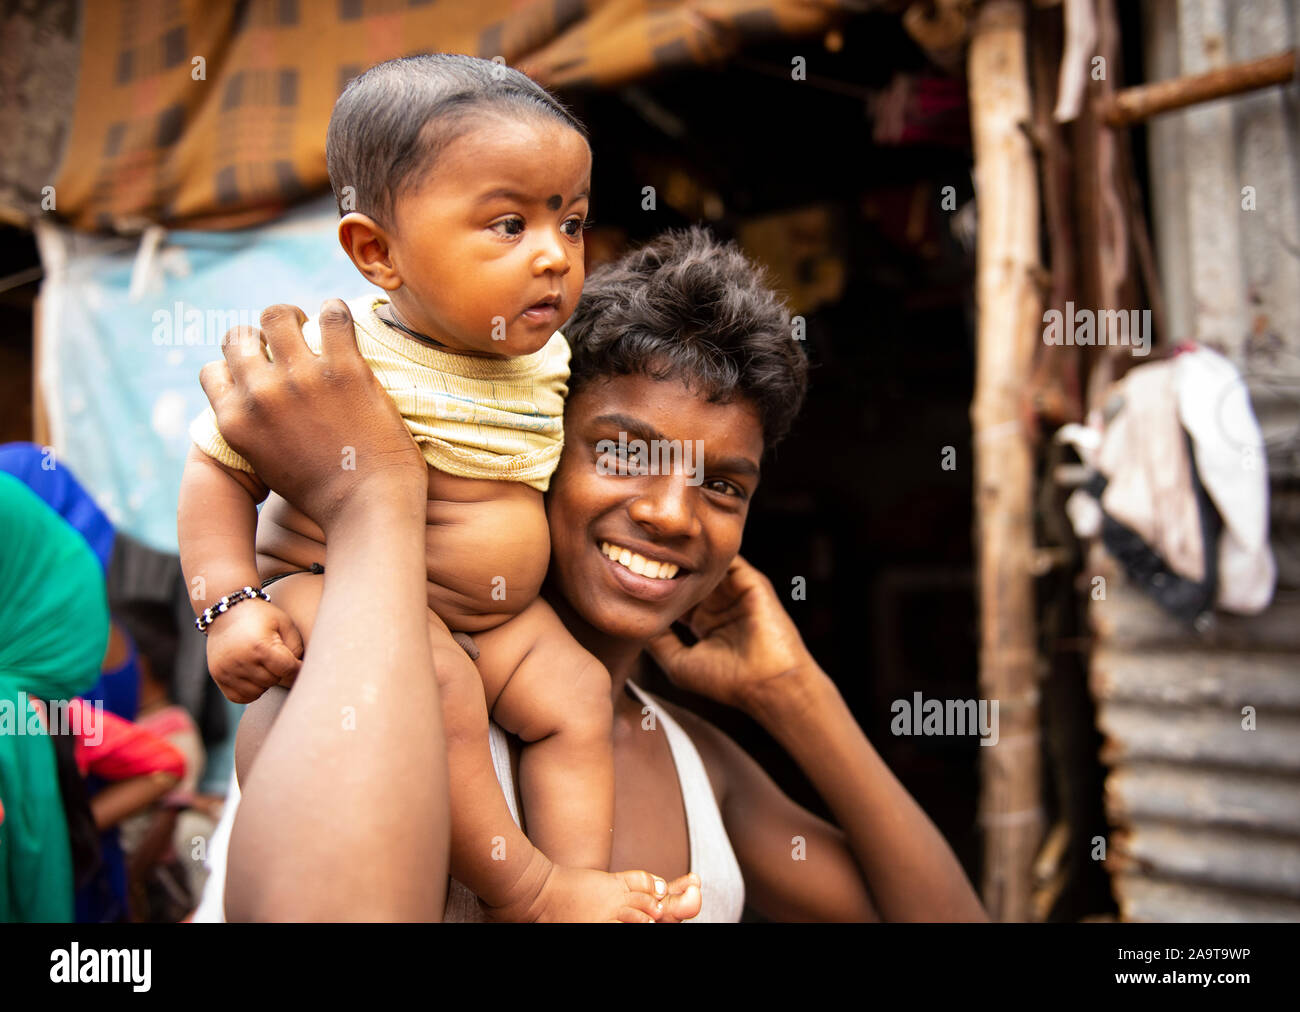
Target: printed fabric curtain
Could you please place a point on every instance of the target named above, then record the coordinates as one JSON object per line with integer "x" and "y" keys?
{"x": 197, "y": 114}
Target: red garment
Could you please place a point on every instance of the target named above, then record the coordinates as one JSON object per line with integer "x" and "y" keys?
{"x": 115, "y": 749}
{"x": 175, "y": 726}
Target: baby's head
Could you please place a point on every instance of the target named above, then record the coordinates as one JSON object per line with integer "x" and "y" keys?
{"x": 463, "y": 188}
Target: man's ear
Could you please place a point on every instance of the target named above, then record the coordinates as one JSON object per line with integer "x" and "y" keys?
{"x": 364, "y": 240}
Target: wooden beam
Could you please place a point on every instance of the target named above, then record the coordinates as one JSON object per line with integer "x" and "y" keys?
{"x": 1132, "y": 105}
{"x": 40, "y": 416}
{"x": 1009, "y": 328}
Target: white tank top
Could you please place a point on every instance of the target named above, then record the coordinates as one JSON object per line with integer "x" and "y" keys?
{"x": 711, "y": 856}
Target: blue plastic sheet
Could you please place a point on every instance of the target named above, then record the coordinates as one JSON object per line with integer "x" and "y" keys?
{"x": 127, "y": 324}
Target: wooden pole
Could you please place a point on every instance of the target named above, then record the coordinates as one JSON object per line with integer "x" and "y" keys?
{"x": 1008, "y": 329}
{"x": 40, "y": 416}
{"x": 1133, "y": 105}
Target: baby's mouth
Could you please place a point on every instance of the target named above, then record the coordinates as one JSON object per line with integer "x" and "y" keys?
{"x": 544, "y": 307}
{"x": 542, "y": 313}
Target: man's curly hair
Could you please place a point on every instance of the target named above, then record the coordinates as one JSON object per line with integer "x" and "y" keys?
{"x": 688, "y": 307}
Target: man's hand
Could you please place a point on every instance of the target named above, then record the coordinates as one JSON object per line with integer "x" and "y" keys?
{"x": 318, "y": 429}
{"x": 747, "y": 642}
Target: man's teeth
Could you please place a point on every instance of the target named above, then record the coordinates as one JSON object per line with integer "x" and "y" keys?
{"x": 639, "y": 564}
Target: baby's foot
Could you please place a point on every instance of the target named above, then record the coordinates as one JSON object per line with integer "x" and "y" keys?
{"x": 683, "y": 901}
{"x": 581, "y": 894}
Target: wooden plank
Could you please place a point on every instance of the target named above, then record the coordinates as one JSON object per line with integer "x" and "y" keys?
{"x": 1198, "y": 735}
{"x": 1205, "y": 795}
{"x": 1008, "y": 329}
{"x": 1142, "y": 898}
{"x": 40, "y": 417}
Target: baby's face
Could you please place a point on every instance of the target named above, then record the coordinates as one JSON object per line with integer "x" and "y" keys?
{"x": 489, "y": 248}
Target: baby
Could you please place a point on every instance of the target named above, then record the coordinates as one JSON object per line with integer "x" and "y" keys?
{"x": 463, "y": 188}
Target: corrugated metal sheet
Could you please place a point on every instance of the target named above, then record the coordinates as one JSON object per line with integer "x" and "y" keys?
{"x": 1230, "y": 275}
{"x": 1205, "y": 813}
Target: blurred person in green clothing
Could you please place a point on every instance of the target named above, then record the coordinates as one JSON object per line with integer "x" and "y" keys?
{"x": 53, "y": 634}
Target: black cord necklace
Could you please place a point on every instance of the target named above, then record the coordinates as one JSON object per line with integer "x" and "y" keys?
{"x": 396, "y": 325}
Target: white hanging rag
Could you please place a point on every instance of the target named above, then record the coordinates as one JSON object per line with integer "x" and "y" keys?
{"x": 1228, "y": 446}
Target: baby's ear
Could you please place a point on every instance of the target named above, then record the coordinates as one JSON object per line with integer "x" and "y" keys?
{"x": 366, "y": 243}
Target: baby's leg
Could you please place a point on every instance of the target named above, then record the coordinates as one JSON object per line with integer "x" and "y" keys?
{"x": 489, "y": 853}
{"x": 546, "y": 689}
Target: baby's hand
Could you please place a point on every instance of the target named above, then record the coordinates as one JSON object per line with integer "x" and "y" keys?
{"x": 251, "y": 648}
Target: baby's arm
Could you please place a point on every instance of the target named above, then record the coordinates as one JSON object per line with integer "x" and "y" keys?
{"x": 254, "y": 645}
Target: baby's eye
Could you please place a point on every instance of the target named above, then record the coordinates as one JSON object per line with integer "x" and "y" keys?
{"x": 573, "y": 227}
{"x": 514, "y": 225}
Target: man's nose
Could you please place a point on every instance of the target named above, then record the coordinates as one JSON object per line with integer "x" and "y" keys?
{"x": 666, "y": 507}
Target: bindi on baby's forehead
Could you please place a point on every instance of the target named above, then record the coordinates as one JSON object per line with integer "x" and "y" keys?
{"x": 553, "y": 202}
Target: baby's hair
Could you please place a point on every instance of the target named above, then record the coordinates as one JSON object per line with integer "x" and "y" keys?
{"x": 685, "y": 306}
{"x": 391, "y": 124}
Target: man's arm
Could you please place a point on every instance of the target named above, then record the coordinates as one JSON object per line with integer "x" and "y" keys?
{"x": 344, "y": 815}
{"x": 323, "y": 831}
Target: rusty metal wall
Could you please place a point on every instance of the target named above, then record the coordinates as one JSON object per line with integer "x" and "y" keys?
{"x": 1204, "y": 813}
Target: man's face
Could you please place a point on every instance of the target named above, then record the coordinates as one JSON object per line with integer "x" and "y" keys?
{"x": 489, "y": 248}
{"x": 693, "y": 521}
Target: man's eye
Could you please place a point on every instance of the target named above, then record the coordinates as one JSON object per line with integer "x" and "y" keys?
{"x": 509, "y": 226}
{"x": 725, "y": 487}
{"x": 624, "y": 463}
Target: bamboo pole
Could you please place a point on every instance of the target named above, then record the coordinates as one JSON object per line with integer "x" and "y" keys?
{"x": 1132, "y": 105}
{"x": 1008, "y": 329}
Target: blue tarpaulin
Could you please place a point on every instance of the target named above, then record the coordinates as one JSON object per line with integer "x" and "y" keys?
{"x": 125, "y": 326}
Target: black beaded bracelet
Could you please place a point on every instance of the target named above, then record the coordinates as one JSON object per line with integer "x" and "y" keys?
{"x": 225, "y": 604}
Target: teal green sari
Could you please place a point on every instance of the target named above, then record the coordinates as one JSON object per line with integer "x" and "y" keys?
{"x": 53, "y": 634}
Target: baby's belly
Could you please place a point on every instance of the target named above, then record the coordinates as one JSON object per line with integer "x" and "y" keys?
{"x": 486, "y": 547}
